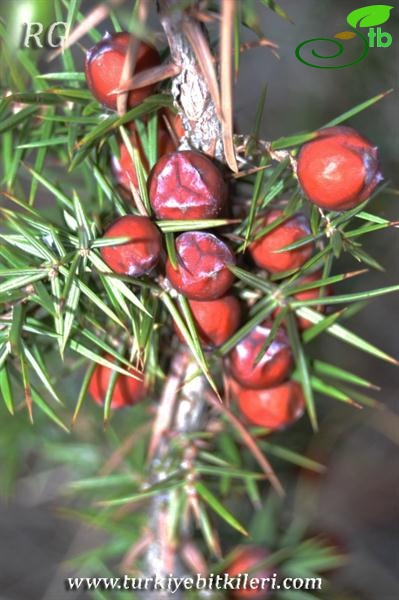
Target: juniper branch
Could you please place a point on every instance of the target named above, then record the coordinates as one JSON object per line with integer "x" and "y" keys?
{"x": 189, "y": 413}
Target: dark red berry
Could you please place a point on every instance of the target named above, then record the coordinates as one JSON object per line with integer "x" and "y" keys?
{"x": 248, "y": 559}
{"x": 104, "y": 65}
{"x": 186, "y": 185}
{"x": 127, "y": 390}
{"x": 274, "y": 407}
{"x": 215, "y": 320}
{"x": 339, "y": 169}
{"x": 202, "y": 271}
{"x": 140, "y": 254}
{"x": 264, "y": 250}
{"x": 275, "y": 364}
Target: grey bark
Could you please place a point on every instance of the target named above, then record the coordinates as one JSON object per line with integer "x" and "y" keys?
{"x": 203, "y": 132}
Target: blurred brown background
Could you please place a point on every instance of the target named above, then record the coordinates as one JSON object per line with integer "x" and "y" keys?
{"x": 358, "y": 498}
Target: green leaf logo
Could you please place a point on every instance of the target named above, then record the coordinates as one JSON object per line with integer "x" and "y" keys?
{"x": 369, "y": 16}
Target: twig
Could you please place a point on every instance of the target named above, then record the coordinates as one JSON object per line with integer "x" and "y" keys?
{"x": 190, "y": 89}
{"x": 183, "y": 408}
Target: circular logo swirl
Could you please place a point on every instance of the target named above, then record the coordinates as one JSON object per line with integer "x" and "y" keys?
{"x": 340, "y": 51}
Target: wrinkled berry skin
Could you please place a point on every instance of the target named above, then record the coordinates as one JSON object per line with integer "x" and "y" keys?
{"x": 215, "y": 320}
{"x": 186, "y": 185}
{"x": 339, "y": 169}
{"x": 140, "y": 254}
{"x": 123, "y": 167}
{"x": 104, "y": 64}
{"x": 275, "y": 407}
{"x": 263, "y": 250}
{"x": 274, "y": 366}
{"x": 201, "y": 272}
{"x": 127, "y": 391}
{"x": 245, "y": 560}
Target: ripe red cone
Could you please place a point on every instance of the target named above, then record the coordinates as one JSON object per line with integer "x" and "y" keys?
{"x": 104, "y": 64}
{"x": 127, "y": 390}
{"x": 273, "y": 408}
{"x": 264, "y": 251}
{"x": 274, "y": 366}
{"x": 339, "y": 169}
{"x": 186, "y": 185}
{"x": 215, "y": 320}
{"x": 140, "y": 254}
{"x": 202, "y": 271}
